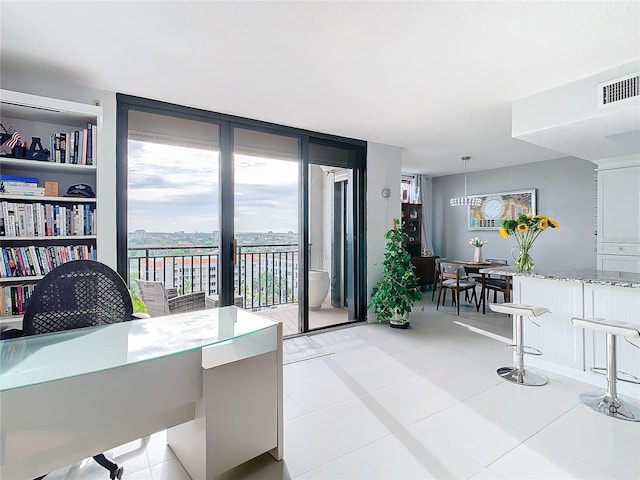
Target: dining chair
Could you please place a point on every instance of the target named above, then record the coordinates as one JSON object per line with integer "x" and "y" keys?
{"x": 436, "y": 276}
{"x": 498, "y": 284}
{"x": 454, "y": 278}
{"x": 161, "y": 301}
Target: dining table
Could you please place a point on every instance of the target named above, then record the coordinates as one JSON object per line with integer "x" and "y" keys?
{"x": 476, "y": 268}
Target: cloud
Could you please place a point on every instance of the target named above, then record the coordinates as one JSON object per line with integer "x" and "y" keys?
{"x": 174, "y": 188}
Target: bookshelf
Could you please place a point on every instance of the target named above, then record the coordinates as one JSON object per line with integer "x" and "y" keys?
{"x": 412, "y": 225}
{"x": 54, "y": 228}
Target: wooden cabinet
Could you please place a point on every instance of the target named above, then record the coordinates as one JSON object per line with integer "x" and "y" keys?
{"x": 619, "y": 218}
{"x": 424, "y": 268}
{"x": 40, "y": 232}
{"x": 412, "y": 222}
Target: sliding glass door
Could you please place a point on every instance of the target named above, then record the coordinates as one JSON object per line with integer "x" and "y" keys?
{"x": 261, "y": 216}
{"x": 266, "y": 168}
{"x": 172, "y": 203}
{"x": 333, "y": 249}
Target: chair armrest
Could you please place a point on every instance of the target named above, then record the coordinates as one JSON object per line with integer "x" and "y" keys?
{"x": 171, "y": 292}
{"x": 187, "y": 302}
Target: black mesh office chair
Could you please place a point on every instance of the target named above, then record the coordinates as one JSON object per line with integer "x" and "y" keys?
{"x": 77, "y": 294}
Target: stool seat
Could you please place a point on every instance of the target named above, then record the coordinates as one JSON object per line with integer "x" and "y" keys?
{"x": 615, "y": 327}
{"x": 517, "y": 373}
{"x": 609, "y": 402}
{"x": 518, "y": 309}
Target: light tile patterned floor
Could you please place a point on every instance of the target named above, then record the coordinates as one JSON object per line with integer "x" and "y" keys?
{"x": 418, "y": 404}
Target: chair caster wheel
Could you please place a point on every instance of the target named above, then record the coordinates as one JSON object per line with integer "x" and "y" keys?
{"x": 117, "y": 473}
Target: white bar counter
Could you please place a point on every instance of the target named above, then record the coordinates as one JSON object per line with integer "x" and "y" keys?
{"x": 70, "y": 395}
{"x": 567, "y": 293}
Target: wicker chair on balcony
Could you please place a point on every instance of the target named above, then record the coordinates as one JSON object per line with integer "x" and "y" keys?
{"x": 162, "y": 302}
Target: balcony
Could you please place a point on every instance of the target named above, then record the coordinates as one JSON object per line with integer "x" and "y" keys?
{"x": 265, "y": 275}
{"x": 265, "y": 278}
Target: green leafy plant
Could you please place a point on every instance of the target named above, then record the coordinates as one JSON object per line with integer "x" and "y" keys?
{"x": 138, "y": 304}
{"x": 393, "y": 297}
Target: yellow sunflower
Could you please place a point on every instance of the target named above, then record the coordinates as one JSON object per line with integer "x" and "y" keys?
{"x": 553, "y": 223}
{"x": 529, "y": 216}
{"x": 503, "y": 232}
{"x": 542, "y": 217}
{"x": 522, "y": 227}
{"x": 542, "y": 224}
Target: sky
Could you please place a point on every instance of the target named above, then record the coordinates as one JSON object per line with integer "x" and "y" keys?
{"x": 175, "y": 188}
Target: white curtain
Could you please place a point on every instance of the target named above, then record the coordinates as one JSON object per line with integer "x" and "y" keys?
{"x": 424, "y": 197}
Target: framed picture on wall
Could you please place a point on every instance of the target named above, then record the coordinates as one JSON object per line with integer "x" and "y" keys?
{"x": 495, "y": 208}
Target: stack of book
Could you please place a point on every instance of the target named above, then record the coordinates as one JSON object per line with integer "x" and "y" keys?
{"x": 76, "y": 147}
{"x": 21, "y": 186}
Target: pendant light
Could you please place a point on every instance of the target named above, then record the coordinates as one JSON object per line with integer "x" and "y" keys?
{"x": 465, "y": 201}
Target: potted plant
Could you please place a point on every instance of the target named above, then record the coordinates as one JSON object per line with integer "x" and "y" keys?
{"x": 393, "y": 297}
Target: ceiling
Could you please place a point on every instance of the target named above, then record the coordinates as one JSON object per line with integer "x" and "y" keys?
{"x": 437, "y": 78}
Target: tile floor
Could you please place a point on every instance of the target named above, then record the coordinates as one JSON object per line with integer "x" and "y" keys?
{"x": 418, "y": 404}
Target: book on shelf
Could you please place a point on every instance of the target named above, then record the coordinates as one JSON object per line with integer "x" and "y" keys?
{"x": 35, "y": 261}
{"x": 15, "y": 298}
{"x": 23, "y": 191}
{"x": 77, "y": 147}
{"x": 17, "y": 185}
{"x": 47, "y": 220}
{"x": 89, "y": 144}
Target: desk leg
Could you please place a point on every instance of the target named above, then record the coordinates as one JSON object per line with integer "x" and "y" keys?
{"x": 278, "y": 451}
{"x": 240, "y": 415}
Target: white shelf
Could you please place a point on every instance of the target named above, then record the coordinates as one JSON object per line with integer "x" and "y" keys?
{"x": 25, "y": 279}
{"x": 48, "y": 238}
{"x": 37, "y": 116}
{"x": 42, "y": 109}
{"x": 33, "y": 198}
{"x": 42, "y": 166}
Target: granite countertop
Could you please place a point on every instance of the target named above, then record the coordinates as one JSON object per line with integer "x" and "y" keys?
{"x": 587, "y": 275}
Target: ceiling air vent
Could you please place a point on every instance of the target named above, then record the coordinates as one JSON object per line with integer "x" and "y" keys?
{"x": 619, "y": 89}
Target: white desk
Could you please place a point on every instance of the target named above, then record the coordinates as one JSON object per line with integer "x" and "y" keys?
{"x": 215, "y": 376}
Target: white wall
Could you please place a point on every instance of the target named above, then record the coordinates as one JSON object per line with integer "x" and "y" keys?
{"x": 48, "y": 85}
{"x": 566, "y": 191}
{"x": 383, "y": 170}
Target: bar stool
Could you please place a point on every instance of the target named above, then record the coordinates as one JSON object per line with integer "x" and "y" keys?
{"x": 610, "y": 403}
{"x": 517, "y": 374}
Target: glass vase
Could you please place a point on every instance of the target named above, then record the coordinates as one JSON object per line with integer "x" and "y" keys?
{"x": 524, "y": 262}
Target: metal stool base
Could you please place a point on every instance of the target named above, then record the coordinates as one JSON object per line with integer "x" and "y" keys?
{"x": 617, "y": 406}
{"x": 521, "y": 376}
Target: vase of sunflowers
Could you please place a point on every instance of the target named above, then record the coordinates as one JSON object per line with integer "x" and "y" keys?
{"x": 525, "y": 229}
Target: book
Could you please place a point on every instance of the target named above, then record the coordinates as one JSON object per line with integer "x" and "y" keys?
{"x": 67, "y": 153}
{"x": 5, "y": 260}
{"x": 94, "y": 145}
{"x": 12, "y": 270}
{"x": 17, "y": 178}
{"x": 23, "y": 191}
{"x": 21, "y": 218}
{"x": 73, "y": 140}
{"x": 84, "y": 146}
{"x": 3, "y": 268}
{"x": 63, "y": 147}
{"x": 29, "y": 261}
{"x": 30, "y": 220}
{"x": 89, "y": 144}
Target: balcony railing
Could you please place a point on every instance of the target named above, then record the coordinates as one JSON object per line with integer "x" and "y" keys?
{"x": 264, "y": 276}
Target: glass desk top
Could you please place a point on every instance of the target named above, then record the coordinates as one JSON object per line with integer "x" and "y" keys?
{"x": 54, "y": 356}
